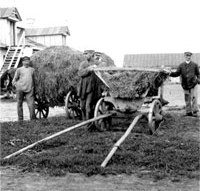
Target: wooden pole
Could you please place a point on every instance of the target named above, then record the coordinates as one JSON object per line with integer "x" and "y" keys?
{"x": 119, "y": 142}
{"x": 126, "y": 69}
{"x": 58, "y": 133}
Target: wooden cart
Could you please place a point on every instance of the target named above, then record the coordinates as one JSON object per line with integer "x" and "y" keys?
{"x": 149, "y": 106}
{"x": 71, "y": 103}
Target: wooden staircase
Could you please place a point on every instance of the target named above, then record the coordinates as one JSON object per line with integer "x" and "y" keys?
{"x": 12, "y": 58}
{"x": 13, "y": 55}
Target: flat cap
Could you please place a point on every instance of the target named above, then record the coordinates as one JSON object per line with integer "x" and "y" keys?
{"x": 26, "y": 58}
{"x": 188, "y": 53}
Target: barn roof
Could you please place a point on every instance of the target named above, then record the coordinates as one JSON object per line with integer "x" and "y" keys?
{"x": 63, "y": 30}
{"x": 32, "y": 43}
{"x": 10, "y": 13}
{"x": 157, "y": 60}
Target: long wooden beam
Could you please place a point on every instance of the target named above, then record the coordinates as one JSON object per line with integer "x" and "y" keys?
{"x": 120, "y": 141}
{"x": 126, "y": 69}
{"x": 57, "y": 134}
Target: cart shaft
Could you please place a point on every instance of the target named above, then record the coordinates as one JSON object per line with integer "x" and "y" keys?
{"x": 126, "y": 69}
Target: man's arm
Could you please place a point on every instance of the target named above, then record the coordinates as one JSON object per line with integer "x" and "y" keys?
{"x": 34, "y": 82}
{"x": 176, "y": 73}
{"x": 197, "y": 73}
{"x": 16, "y": 77}
{"x": 83, "y": 69}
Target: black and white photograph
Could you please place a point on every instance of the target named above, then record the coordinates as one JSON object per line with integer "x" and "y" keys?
{"x": 99, "y": 95}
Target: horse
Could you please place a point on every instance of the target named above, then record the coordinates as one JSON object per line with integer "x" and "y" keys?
{"x": 6, "y": 82}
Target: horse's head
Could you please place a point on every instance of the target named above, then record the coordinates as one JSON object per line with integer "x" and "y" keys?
{"x": 6, "y": 80}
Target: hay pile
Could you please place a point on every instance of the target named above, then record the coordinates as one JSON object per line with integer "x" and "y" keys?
{"x": 56, "y": 73}
{"x": 106, "y": 59}
{"x": 133, "y": 84}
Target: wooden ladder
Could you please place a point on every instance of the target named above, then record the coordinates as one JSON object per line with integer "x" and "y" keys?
{"x": 12, "y": 57}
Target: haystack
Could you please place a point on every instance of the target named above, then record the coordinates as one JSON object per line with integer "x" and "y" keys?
{"x": 56, "y": 72}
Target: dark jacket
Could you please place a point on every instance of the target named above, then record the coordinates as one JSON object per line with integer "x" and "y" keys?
{"x": 86, "y": 85}
{"x": 189, "y": 74}
{"x": 89, "y": 82}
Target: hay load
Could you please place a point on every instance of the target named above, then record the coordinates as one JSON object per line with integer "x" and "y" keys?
{"x": 56, "y": 73}
{"x": 133, "y": 84}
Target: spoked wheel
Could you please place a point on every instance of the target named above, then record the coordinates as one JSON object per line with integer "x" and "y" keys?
{"x": 72, "y": 106}
{"x": 155, "y": 116}
{"x": 102, "y": 108}
{"x": 41, "y": 108}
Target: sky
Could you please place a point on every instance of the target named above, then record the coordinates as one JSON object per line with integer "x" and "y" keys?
{"x": 119, "y": 27}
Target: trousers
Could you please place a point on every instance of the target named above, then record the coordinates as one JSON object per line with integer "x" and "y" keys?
{"x": 191, "y": 100}
{"x": 29, "y": 96}
{"x": 87, "y": 106}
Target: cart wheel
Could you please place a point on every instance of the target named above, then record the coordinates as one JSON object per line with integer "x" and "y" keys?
{"x": 41, "y": 108}
{"x": 102, "y": 108}
{"x": 72, "y": 106}
{"x": 155, "y": 116}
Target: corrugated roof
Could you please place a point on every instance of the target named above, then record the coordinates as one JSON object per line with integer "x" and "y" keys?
{"x": 10, "y": 12}
{"x": 157, "y": 60}
{"x": 47, "y": 31}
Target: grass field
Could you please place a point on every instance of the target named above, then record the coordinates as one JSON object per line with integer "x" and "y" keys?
{"x": 80, "y": 151}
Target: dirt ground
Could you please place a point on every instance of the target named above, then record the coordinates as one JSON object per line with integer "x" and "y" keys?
{"x": 13, "y": 179}
{"x": 172, "y": 93}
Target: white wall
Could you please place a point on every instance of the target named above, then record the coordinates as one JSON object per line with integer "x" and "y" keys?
{"x": 2, "y": 53}
{"x": 5, "y": 32}
{"x": 51, "y": 40}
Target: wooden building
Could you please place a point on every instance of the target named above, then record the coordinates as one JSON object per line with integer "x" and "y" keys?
{"x": 51, "y": 36}
{"x": 12, "y": 39}
{"x": 10, "y": 35}
{"x": 8, "y": 19}
{"x": 16, "y": 41}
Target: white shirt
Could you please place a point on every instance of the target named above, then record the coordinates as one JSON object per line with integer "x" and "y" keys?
{"x": 23, "y": 79}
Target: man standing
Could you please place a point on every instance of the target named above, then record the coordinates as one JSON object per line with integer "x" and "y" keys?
{"x": 190, "y": 77}
{"x": 25, "y": 82}
{"x": 89, "y": 87}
